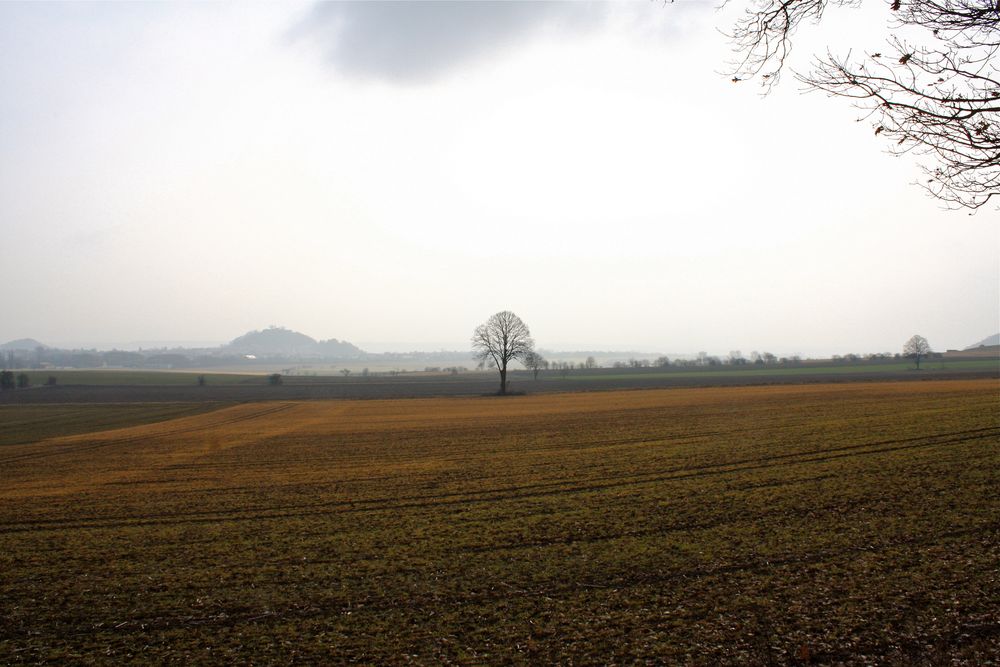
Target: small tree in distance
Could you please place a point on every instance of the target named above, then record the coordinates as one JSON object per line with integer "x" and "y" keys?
{"x": 501, "y": 339}
{"x": 534, "y": 362}
{"x": 916, "y": 348}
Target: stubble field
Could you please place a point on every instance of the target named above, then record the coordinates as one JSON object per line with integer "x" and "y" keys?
{"x": 852, "y": 523}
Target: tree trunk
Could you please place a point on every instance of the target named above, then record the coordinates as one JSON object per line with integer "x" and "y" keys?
{"x": 503, "y": 380}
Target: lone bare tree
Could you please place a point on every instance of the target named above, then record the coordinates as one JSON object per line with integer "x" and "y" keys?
{"x": 916, "y": 348}
{"x": 934, "y": 90}
{"x": 502, "y": 338}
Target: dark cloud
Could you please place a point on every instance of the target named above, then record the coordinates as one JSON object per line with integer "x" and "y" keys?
{"x": 414, "y": 41}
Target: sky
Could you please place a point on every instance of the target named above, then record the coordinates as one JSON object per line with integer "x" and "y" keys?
{"x": 392, "y": 174}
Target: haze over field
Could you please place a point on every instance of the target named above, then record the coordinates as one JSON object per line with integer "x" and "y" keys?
{"x": 391, "y": 175}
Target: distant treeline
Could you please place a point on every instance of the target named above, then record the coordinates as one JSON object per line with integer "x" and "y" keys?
{"x": 182, "y": 358}
{"x": 153, "y": 359}
{"x": 144, "y": 359}
{"x": 703, "y": 359}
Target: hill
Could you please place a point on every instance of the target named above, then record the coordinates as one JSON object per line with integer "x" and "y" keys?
{"x": 22, "y": 344}
{"x": 273, "y": 340}
{"x": 278, "y": 341}
{"x": 339, "y": 349}
{"x": 986, "y": 342}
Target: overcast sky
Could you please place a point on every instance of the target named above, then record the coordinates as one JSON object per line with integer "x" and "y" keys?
{"x": 392, "y": 174}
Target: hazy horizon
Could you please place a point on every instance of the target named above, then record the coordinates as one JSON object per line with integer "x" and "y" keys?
{"x": 393, "y": 174}
{"x": 556, "y": 347}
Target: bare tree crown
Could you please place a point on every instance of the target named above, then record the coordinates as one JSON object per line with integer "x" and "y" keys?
{"x": 502, "y": 338}
{"x": 917, "y": 345}
{"x": 939, "y": 99}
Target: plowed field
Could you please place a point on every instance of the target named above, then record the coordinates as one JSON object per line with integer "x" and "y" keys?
{"x": 854, "y": 524}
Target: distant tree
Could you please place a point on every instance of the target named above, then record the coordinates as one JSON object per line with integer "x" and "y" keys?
{"x": 274, "y": 379}
{"x": 202, "y": 381}
{"x": 591, "y": 362}
{"x": 916, "y": 348}
{"x": 23, "y": 381}
{"x": 6, "y": 379}
{"x": 663, "y": 362}
{"x": 345, "y": 371}
{"x": 501, "y": 339}
{"x": 534, "y": 362}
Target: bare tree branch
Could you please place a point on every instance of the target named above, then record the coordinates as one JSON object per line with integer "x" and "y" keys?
{"x": 939, "y": 99}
